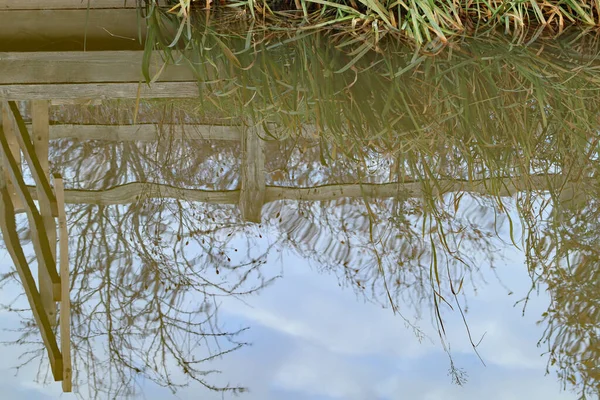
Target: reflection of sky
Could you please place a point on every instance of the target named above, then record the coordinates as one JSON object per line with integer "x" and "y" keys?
{"x": 312, "y": 339}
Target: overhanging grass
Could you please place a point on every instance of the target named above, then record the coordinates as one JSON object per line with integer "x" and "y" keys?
{"x": 419, "y": 21}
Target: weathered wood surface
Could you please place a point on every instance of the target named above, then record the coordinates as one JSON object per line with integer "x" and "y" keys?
{"x": 11, "y": 239}
{"x": 64, "y": 4}
{"x": 40, "y": 241}
{"x": 8, "y": 123}
{"x": 69, "y": 30}
{"x": 41, "y": 141}
{"x": 26, "y": 143}
{"x": 65, "y": 304}
{"x": 144, "y": 132}
{"x": 100, "y": 91}
{"x": 252, "y": 175}
{"x": 85, "y": 67}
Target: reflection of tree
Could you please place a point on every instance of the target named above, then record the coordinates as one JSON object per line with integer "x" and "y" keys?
{"x": 564, "y": 256}
{"x": 132, "y": 262}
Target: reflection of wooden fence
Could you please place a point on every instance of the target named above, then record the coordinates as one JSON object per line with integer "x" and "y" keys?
{"x": 16, "y": 196}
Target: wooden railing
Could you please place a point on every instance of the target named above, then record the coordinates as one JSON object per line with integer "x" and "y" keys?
{"x": 15, "y": 196}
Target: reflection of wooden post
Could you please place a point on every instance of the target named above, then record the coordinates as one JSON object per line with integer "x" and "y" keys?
{"x": 8, "y": 124}
{"x": 65, "y": 303}
{"x": 41, "y": 140}
{"x": 252, "y": 176}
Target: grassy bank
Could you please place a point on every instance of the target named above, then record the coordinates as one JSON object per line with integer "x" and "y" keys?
{"x": 419, "y": 21}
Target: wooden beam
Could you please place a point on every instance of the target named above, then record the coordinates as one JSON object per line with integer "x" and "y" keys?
{"x": 11, "y": 239}
{"x": 104, "y": 91}
{"x": 65, "y": 303}
{"x": 41, "y": 142}
{"x": 65, "y": 4}
{"x": 252, "y": 175}
{"x": 144, "y": 132}
{"x": 86, "y": 67}
{"x": 70, "y": 30}
{"x": 46, "y": 199}
{"x": 8, "y": 123}
{"x": 40, "y": 241}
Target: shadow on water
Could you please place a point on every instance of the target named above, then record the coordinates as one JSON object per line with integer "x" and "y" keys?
{"x": 401, "y": 174}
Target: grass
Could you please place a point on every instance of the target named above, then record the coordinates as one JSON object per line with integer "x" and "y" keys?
{"x": 418, "y": 21}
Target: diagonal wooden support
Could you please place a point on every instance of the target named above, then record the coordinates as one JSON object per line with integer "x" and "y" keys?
{"x": 40, "y": 240}
{"x": 8, "y": 124}
{"x": 41, "y": 141}
{"x": 65, "y": 304}
{"x": 11, "y": 239}
{"x": 28, "y": 148}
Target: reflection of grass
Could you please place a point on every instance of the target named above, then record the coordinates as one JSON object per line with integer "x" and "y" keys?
{"x": 417, "y": 20}
{"x": 514, "y": 115}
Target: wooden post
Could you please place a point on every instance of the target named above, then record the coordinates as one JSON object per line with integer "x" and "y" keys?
{"x": 8, "y": 123}
{"x": 41, "y": 141}
{"x": 65, "y": 303}
{"x": 252, "y": 175}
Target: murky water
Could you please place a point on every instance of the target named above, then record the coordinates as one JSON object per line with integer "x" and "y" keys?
{"x": 312, "y": 224}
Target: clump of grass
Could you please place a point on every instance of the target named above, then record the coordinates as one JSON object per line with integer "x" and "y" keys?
{"x": 419, "y": 21}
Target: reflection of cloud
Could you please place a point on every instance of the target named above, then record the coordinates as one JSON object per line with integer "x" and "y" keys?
{"x": 301, "y": 306}
{"x": 314, "y": 340}
{"x": 318, "y": 373}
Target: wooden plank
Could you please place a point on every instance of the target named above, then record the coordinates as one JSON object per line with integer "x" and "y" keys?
{"x": 76, "y": 102}
{"x": 41, "y": 142}
{"x": 252, "y": 175}
{"x": 65, "y": 304}
{"x": 8, "y": 123}
{"x": 144, "y": 132}
{"x": 64, "y": 4}
{"x": 68, "y": 30}
{"x": 46, "y": 199}
{"x": 36, "y": 223}
{"x": 11, "y": 239}
{"x": 158, "y": 90}
{"x": 86, "y": 67}
{"x": 149, "y": 132}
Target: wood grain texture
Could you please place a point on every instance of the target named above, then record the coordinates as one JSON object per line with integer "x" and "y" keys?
{"x": 86, "y": 67}
{"x": 28, "y": 148}
{"x": 8, "y": 123}
{"x": 11, "y": 239}
{"x": 99, "y": 91}
{"x": 64, "y": 4}
{"x": 70, "y": 30}
{"x": 65, "y": 304}
{"x": 144, "y": 132}
{"x": 41, "y": 142}
{"x": 40, "y": 241}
